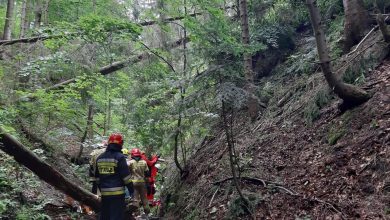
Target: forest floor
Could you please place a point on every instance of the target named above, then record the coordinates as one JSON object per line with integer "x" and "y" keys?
{"x": 335, "y": 167}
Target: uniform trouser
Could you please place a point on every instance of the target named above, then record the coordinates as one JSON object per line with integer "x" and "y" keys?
{"x": 140, "y": 193}
{"x": 113, "y": 208}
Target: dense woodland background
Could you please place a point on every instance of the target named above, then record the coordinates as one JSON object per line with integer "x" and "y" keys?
{"x": 271, "y": 109}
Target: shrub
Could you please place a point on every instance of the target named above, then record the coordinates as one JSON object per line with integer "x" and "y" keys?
{"x": 238, "y": 207}
{"x": 312, "y": 110}
{"x": 335, "y": 134}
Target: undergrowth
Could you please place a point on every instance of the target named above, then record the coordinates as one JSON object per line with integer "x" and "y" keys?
{"x": 238, "y": 208}
{"x": 312, "y": 109}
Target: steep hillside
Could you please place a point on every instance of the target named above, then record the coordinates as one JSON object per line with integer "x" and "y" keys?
{"x": 304, "y": 158}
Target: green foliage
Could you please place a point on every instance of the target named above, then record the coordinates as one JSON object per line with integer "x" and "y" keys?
{"x": 334, "y": 134}
{"x": 386, "y": 210}
{"x": 301, "y": 63}
{"x": 274, "y": 35}
{"x": 355, "y": 74}
{"x": 238, "y": 208}
{"x": 193, "y": 215}
{"x": 266, "y": 93}
{"x": 312, "y": 109}
{"x": 335, "y": 33}
{"x": 5, "y": 205}
{"x": 25, "y": 213}
{"x": 99, "y": 28}
{"x": 303, "y": 217}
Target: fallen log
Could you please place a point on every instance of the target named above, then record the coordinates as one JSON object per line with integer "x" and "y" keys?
{"x": 42, "y": 38}
{"x": 121, "y": 64}
{"x": 33, "y": 39}
{"x": 44, "y": 171}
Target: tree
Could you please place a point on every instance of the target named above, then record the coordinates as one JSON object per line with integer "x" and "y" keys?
{"x": 24, "y": 18}
{"x": 38, "y": 14}
{"x": 382, "y": 23}
{"x": 43, "y": 170}
{"x": 9, "y": 20}
{"x": 355, "y": 24}
{"x": 45, "y": 13}
{"x": 253, "y": 108}
{"x": 349, "y": 93}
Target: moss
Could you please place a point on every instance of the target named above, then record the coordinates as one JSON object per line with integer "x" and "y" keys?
{"x": 312, "y": 110}
{"x": 335, "y": 134}
{"x": 193, "y": 215}
{"x": 238, "y": 208}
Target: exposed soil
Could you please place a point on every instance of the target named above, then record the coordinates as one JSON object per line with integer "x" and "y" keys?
{"x": 335, "y": 168}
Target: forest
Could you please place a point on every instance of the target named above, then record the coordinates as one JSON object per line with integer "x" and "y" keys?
{"x": 250, "y": 109}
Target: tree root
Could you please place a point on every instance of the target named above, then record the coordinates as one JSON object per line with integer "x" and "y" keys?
{"x": 270, "y": 184}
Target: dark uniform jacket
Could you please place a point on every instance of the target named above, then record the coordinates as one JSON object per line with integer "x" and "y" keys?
{"x": 112, "y": 173}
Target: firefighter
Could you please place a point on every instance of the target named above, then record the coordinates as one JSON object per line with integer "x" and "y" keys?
{"x": 139, "y": 171}
{"x": 125, "y": 152}
{"x": 92, "y": 166}
{"x": 113, "y": 175}
{"x": 150, "y": 184}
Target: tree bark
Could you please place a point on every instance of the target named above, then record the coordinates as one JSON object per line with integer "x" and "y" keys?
{"x": 32, "y": 39}
{"x": 108, "y": 115}
{"x": 23, "y": 19}
{"x": 232, "y": 156}
{"x": 9, "y": 20}
{"x": 89, "y": 128}
{"x": 121, "y": 64}
{"x": 45, "y": 13}
{"x": 253, "y": 107}
{"x": 351, "y": 95}
{"x": 355, "y": 24}
{"x": 94, "y": 6}
{"x": 382, "y": 23}
{"x": 176, "y": 145}
{"x": 44, "y": 171}
{"x": 38, "y": 14}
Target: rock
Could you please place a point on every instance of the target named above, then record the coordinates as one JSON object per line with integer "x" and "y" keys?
{"x": 213, "y": 210}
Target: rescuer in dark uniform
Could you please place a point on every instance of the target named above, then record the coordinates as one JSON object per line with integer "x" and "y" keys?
{"x": 113, "y": 175}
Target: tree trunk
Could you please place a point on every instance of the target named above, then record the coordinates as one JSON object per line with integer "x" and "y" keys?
{"x": 44, "y": 171}
{"x": 161, "y": 32}
{"x": 355, "y": 24}
{"x": 176, "y": 145}
{"x": 232, "y": 156}
{"x": 23, "y": 19}
{"x": 253, "y": 107}
{"x": 90, "y": 122}
{"x": 109, "y": 115}
{"x": 121, "y": 64}
{"x": 9, "y": 20}
{"x": 38, "y": 14}
{"x": 42, "y": 38}
{"x": 88, "y": 132}
{"x": 351, "y": 95}
{"x": 45, "y": 13}
{"x": 382, "y": 23}
{"x": 94, "y": 6}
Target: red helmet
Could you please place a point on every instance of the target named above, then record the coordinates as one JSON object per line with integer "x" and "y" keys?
{"x": 115, "y": 138}
{"x": 135, "y": 152}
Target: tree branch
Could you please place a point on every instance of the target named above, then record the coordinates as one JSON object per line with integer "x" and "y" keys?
{"x": 43, "y": 170}
{"x": 120, "y": 64}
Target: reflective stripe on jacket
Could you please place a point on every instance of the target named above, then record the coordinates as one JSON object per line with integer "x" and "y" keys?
{"x": 138, "y": 170}
{"x": 112, "y": 172}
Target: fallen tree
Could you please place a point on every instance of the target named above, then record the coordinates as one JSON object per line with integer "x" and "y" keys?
{"x": 44, "y": 171}
{"x": 115, "y": 66}
{"x": 33, "y": 39}
{"x": 42, "y": 38}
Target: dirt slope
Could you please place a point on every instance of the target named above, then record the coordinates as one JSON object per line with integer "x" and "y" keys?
{"x": 334, "y": 168}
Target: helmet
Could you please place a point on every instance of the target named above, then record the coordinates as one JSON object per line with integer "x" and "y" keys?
{"x": 115, "y": 138}
{"x": 135, "y": 152}
{"x": 125, "y": 151}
